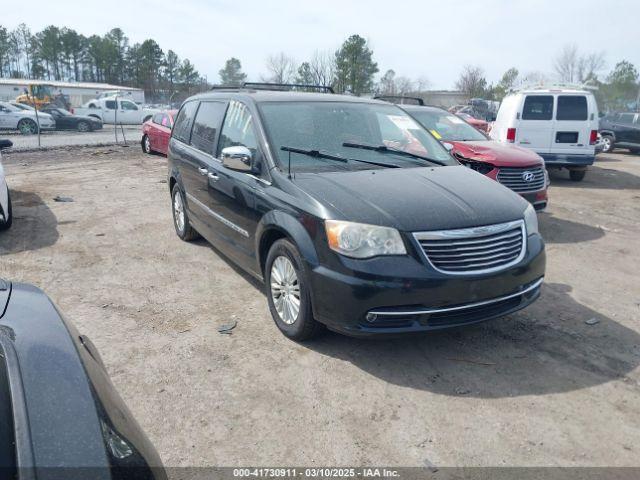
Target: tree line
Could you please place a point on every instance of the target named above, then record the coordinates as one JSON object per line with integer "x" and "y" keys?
{"x": 63, "y": 54}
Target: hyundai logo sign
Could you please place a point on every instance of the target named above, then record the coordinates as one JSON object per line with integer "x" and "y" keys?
{"x": 528, "y": 176}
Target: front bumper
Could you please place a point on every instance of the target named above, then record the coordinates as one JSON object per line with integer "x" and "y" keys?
{"x": 397, "y": 295}
{"x": 566, "y": 160}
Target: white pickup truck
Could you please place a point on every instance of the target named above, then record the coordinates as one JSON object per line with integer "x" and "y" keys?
{"x": 125, "y": 111}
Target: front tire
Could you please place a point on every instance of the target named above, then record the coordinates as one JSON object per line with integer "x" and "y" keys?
{"x": 146, "y": 144}
{"x": 183, "y": 227}
{"x": 83, "y": 127}
{"x": 287, "y": 287}
{"x": 577, "y": 175}
{"x": 8, "y": 215}
{"x": 27, "y": 126}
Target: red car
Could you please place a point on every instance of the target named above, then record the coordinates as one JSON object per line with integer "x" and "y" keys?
{"x": 519, "y": 169}
{"x": 156, "y": 132}
{"x": 474, "y": 122}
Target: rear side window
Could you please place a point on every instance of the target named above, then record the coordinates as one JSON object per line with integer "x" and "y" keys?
{"x": 538, "y": 107}
{"x": 110, "y": 104}
{"x": 626, "y": 118}
{"x": 572, "y": 107}
{"x": 205, "y": 126}
{"x": 182, "y": 128}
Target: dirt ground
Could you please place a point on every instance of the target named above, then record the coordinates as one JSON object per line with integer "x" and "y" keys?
{"x": 541, "y": 387}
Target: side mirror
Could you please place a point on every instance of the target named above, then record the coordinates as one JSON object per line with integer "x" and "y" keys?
{"x": 237, "y": 158}
{"x": 5, "y": 144}
{"x": 448, "y": 146}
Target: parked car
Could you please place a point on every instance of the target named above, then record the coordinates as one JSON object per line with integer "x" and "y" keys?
{"x": 351, "y": 212}
{"x": 115, "y": 110}
{"x": 621, "y": 130}
{"x": 6, "y": 215}
{"x": 559, "y": 124}
{"x": 65, "y": 120}
{"x": 156, "y": 132}
{"x": 474, "y": 122}
{"x": 25, "y": 121}
{"x": 517, "y": 168}
{"x": 60, "y": 415}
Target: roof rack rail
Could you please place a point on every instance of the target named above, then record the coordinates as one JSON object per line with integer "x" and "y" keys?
{"x": 401, "y": 98}
{"x": 553, "y": 85}
{"x": 286, "y": 86}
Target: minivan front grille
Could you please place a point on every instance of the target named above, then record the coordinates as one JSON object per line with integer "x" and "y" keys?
{"x": 475, "y": 250}
{"x": 522, "y": 179}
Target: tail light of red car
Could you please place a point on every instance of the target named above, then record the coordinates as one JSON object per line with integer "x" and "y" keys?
{"x": 593, "y": 138}
{"x": 511, "y": 135}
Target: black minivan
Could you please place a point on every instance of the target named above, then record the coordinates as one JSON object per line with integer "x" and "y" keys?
{"x": 354, "y": 216}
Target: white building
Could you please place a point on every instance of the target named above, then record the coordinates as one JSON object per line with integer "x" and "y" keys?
{"x": 78, "y": 92}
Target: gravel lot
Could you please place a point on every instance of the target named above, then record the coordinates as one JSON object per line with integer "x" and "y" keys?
{"x": 541, "y": 387}
{"x": 63, "y": 138}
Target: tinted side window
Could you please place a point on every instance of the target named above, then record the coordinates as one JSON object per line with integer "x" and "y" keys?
{"x": 238, "y": 129}
{"x": 626, "y": 118}
{"x": 206, "y": 124}
{"x": 157, "y": 118}
{"x": 572, "y": 107}
{"x": 182, "y": 128}
{"x": 110, "y": 104}
{"x": 537, "y": 107}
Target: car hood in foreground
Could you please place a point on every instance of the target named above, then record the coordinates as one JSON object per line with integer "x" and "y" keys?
{"x": 414, "y": 199}
{"x": 496, "y": 153}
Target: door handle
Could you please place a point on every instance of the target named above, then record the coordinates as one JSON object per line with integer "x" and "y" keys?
{"x": 213, "y": 176}
{"x": 203, "y": 170}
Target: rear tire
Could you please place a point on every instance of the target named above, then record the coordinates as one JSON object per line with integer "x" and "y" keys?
{"x": 83, "y": 127}
{"x": 577, "y": 175}
{"x": 8, "y": 215}
{"x": 635, "y": 151}
{"x": 607, "y": 144}
{"x": 183, "y": 227}
{"x": 27, "y": 126}
{"x": 287, "y": 287}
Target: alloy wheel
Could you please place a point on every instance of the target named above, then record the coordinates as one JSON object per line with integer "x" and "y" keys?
{"x": 285, "y": 289}
{"x": 147, "y": 144}
{"x": 178, "y": 211}
{"x": 606, "y": 144}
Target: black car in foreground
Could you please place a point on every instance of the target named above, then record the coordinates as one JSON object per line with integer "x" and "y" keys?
{"x": 60, "y": 416}
{"x": 352, "y": 213}
{"x": 65, "y": 120}
{"x": 620, "y": 130}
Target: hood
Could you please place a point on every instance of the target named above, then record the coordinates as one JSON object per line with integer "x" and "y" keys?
{"x": 414, "y": 199}
{"x": 88, "y": 118}
{"x": 497, "y": 153}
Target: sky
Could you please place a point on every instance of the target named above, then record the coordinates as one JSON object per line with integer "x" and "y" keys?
{"x": 415, "y": 38}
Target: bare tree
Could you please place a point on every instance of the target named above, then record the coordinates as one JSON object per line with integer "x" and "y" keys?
{"x": 590, "y": 65}
{"x": 472, "y": 81}
{"x": 387, "y": 84}
{"x": 404, "y": 85}
{"x": 422, "y": 83}
{"x": 566, "y": 64}
{"x": 533, "y": 78}
{"x": 323, "y": 68}
{"x": 281, "y": 68}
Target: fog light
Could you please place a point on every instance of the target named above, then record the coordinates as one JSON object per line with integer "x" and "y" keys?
{"x": 371, "y": 317}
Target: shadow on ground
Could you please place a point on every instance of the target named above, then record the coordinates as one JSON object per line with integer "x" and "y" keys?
{"x": 559, "y": 230}
{"x": 597, "y": 177}
{"x": 34, "y": 224}
{"x": 545, "y": 349}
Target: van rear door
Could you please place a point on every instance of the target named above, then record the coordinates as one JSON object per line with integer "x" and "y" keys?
{"x": 572, "y": 125}
{"x": 536, "y": 126}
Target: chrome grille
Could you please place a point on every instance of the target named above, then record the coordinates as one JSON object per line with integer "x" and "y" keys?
{"x": 474, "y": 250}
{"x": 522, "y": 179}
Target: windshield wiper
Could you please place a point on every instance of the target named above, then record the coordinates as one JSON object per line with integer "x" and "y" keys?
{"x": 385, "y": 149}
{"x": 337, "y": 158}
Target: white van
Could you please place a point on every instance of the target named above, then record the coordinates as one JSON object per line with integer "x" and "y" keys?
{"x": 559, "y": 124}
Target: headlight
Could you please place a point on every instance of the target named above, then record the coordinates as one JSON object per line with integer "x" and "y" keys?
{"x": 359, "y": 240}
{"x": 531, "y": 220}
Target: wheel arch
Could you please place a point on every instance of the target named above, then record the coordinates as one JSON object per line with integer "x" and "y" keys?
{"x": 276, "y": 225}
{"x": 608, "y": 133}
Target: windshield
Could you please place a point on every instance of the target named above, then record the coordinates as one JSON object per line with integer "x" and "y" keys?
{"x": 446, "y": 126}
{"x": 327, "y": 126}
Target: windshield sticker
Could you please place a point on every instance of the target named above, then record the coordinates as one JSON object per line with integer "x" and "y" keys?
{"x": 436, "y": 134}
{"x": 404, "y": 123}
{"x": 453, "y": 119}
